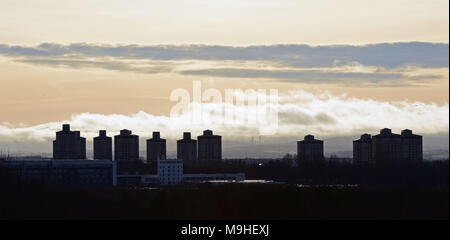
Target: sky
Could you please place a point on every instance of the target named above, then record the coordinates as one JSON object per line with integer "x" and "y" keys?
{"x": 341, "y": 68}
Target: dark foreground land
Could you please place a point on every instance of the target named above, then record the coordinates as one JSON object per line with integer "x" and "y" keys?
{"x": 229, "y": 201}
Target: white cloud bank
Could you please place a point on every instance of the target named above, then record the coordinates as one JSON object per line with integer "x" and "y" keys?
{"x": 300, "y": 113}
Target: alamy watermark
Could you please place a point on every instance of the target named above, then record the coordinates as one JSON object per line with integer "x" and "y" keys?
{"x": 249, "y": 107}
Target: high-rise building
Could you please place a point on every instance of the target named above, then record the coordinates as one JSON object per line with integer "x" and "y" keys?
{"x": 126, "y": 147}
{"x": 156, "y": 148}
{"x": 209, "y": 146}
{"x": 69, "y": 144}
{"x": 412, "y": 151}
{"x": 386, "y": 147}
{"x": 187, "y": 148}
{"x": 310, "y": 150}
{"x": 362, "y": 150}
{"x": 103, "y": 146}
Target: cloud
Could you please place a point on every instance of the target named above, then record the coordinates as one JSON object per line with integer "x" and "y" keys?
{"x": 300, "y": 113}
{"x": 318, "y": 76}
{"x": 390, "y": 55}
{"x": 384, "y": 64}
{"x": 104, "y": 64}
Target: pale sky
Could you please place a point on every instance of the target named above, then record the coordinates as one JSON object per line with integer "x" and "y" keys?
{"x": 227, "y": 22}
{"x": 92, "y": 62}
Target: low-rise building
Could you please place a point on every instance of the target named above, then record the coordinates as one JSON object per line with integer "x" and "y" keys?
{"x": 204, "y": 177}
{"x": 60, "y": 172}
{"x": 154, "y": 179}
{"x": 170, "y": 171}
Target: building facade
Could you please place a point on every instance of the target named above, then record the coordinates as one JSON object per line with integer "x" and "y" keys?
{"x": 209, "y": 147}
{"x": 103, "y": 146}
{"x": 187, "y": 149}
{"x": 156, "y": 148}
{"x": 153, "y": 179}
{"x": 412, "y": 149}
{"x": 310, "y": 150}
{"x": 211, "y": 177}
{"x": 126, "y": 147}
{"x": 362, "y": 150}
{"x": 61, "y": 172}
{"x": 386, "y": 147}
{"x": 69, "y": 144}
{"x": 170, "y": 171}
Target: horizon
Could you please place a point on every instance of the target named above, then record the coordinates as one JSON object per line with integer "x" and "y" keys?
{"x": 264, "y": 147}
{"x": 339, "y": 69}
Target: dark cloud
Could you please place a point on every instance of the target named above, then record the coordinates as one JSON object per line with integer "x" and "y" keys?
{"x": 389, "y": 55}
{"x": 109, "y": 65}
{"x": 314, "y": 76}
{"x": 390, "y": 59}
{"x": 295, "y": 117}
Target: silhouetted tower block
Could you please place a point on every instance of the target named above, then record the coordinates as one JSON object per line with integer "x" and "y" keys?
{"x": 209, "y": 146}
{"x": 156, "y": 147}
{"x": 362, "y": 150}
{"x": 412, "y": 150}
{"x": 126, "y": 147}
{"x": 310, "y": 150}
{"x": 69, "y": 144}
{"x": 103, "y": 146}
{"x": 187, "y": 148}
{"x": 386, "y": 147}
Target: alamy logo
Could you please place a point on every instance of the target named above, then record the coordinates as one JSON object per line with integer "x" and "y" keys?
{"x": 252, "y": 108}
